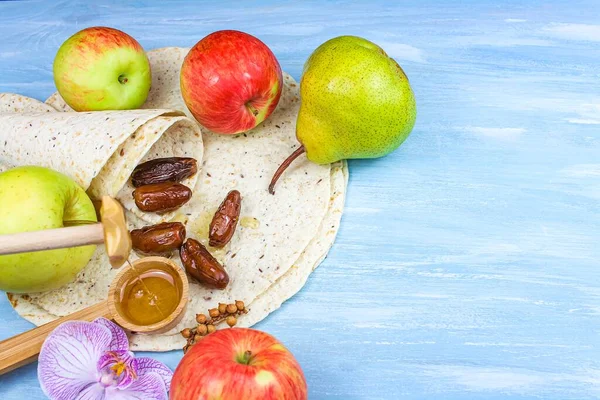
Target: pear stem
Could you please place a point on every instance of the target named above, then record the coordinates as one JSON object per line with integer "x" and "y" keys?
{"x": 284, "y": 166}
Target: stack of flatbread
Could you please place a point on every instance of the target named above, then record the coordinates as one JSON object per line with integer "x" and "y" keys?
{"x": 280, "y": 239}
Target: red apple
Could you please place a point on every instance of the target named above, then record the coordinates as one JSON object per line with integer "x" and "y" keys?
{"x": 236, "y": 364}
{"x": 231, "y": 82}
{"x": 102, "y": 68}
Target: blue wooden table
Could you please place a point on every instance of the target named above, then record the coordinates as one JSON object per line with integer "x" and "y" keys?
{"x": 467, "y": 265}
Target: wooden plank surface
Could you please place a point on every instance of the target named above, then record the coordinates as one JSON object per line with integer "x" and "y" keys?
{"x": 467, "y": 265}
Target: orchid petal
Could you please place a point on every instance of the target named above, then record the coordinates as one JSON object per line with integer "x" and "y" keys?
{"x": 119, "y": 338}
{"x": 92, "y": 392}
{"x": 68, "y": 359}
{"x": 146, "y": 387}
{"x": 146, "y": 365}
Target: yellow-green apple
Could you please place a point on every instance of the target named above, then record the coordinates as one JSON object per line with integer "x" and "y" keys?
{"x": 102, "y": 68}
{"x": 230, "y": 81}
{"x": 33, "y": 199}
{"x": 238, "y": 363}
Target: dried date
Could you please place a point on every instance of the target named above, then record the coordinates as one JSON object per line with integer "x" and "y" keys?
{"x": 202, "y": 266}
{"x": 161, "y": 197}
{"x": 222, "y": 227}
{"x": 158, "y": 239}
{"x": 159, "y": 170}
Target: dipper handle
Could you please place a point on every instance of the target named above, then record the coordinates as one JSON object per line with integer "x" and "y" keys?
{"x": 112, "y": 231}
{"x": 50, "y": 239}
{"x": 24, "y": 348}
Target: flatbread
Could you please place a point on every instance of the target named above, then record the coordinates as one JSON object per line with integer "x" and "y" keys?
{"x": 99, "y": 150}
{"x": 267, "y": 302}
{"x": 316, "y": 251}
{"x": 271, "y": 256}
{"x": 11, "y": 102}
{"x": 56, "y": 101}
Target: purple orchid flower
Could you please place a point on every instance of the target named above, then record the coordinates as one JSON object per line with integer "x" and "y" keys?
{"x": 91, "y": 361}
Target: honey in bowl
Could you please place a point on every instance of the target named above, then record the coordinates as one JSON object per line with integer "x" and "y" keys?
{"x": 151, "y": 295}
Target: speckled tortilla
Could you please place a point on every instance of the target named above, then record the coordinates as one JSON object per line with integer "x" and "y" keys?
{"x": 267, "y": 302}
{"x": 316, "y": 251}
{"x": 16, "y": 103}
{"x": 99, "y": 150}
{"x": 280, "y": 238}
{"x": 57, "y": 102}
{"x": 181, "y": 137}
{"x": 273, "y": 230}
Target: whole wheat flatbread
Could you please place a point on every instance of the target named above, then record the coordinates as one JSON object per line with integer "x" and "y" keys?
{"x": 267, "y": 264}
{"x": 267, "y": 302}
{"x": 99, "y": 150}
{"x": 11, "y": 102}
{"x": 16, "y": 103}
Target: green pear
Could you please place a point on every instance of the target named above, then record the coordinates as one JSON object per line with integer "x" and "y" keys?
{"x": 356, "y": 102}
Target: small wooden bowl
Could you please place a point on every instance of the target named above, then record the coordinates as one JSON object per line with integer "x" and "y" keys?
{"x": 126, "y": 274}
{"x": 24, "y": 348}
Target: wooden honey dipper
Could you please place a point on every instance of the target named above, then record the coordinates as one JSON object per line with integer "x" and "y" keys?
{"x": 112, "y": 231}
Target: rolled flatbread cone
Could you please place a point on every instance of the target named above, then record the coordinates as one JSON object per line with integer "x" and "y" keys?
{"x": 11, "y": 102}
{"x": 99, "y": 150}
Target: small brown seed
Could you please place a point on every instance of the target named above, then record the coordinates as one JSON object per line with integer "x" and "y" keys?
{"x": 231, "y": 308}
{"x": 211, "y": 328}
{"x": 231, "y": 321}
{"x": 197, "y": 338}
{"x": 222, "y": 308}
{"x": 202, "y": 330}
{"x": 201, "y": 318}
{"x": 240, "y": 305}
{"x": 213, "y": 312}
{"x": 186, "y": 333}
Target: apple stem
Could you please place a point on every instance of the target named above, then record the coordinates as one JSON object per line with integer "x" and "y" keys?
{"x": 286, "y": 163}
{"x": 122, "y": 79}
{"x": 246, "y": 358}
{"x": 253, "y": 110}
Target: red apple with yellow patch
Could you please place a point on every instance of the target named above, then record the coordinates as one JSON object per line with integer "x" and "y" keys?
{"x": 238, "y": 363}
{"x": 231, "y": 82}
{"x": 101, "y": 68}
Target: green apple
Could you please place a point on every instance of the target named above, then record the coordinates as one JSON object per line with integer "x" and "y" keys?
{"x": 102, "y": 68}
{"x": 33, "y": 199}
